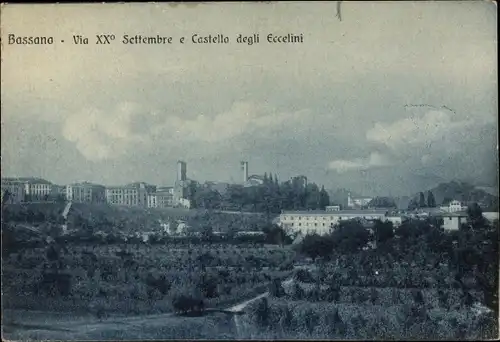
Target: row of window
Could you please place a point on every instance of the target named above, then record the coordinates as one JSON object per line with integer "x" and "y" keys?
{"x": 307, "y": 224}
{"x": 116, "y": 192}
{"x": 333, "y": 217}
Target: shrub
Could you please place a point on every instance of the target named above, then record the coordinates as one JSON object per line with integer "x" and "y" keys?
{"x": 276, "y": 289}
{"x": 304, "y": 276}
{"x": 185, "y": 303}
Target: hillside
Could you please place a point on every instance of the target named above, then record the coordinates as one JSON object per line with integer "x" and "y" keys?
{"x": 339, "y": 196}
{"x": 114, "y": 219}
{"x": 463, "y": 191}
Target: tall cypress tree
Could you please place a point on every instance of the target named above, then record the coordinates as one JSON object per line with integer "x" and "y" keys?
{"x": 431, "y": 201}
{"x": 421, "y": 202}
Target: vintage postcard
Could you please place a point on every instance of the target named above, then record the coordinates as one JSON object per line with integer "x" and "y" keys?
{"x": 237, "y": 170}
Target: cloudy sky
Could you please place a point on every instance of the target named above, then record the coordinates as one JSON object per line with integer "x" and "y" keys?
{"x": 344, "y": 108}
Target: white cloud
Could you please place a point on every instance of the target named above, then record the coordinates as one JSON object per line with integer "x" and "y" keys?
{"x": 374, "y": 160}
{"x": 435, "y": 127}
{"x": 100, "y": 134}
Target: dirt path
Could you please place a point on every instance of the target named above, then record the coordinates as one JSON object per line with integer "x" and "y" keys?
{"x": 42, "y": 322}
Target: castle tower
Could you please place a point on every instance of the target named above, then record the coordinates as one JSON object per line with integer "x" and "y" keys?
{"x": 181, "y": 170}
{"x": 244, "y": 169}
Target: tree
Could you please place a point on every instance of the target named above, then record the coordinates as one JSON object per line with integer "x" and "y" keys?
{"x": 421, "y": 201}
{"x": 383, "y": 231}
{"x": 276, "y": 235}
{"x": 276, "y": 288}
{"x": 350, "y": 236}
{"x": 314, "y": 245}
{"x": 184, "y": 303}
{"x": 382, "y": 202}
{"x": 475, "y": 216}
{"x": 207, "y": 232}
{"x": 312, "y": 197}
{"x": 324, "y": 198}
{"x": 431, "y": 201}
{"x": 412, "y": 205}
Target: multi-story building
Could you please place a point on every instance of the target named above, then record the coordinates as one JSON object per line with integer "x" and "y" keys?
{"x": 254, "y": 180}
{"x": 357, "y": 202}
{"x": 86, "y": 192}
{"x": 12, "y": 192}
{"x": 454, "y": 206}
{"x": 161, "y": 199}
{"x": 321, "y": 221}
{"x": 135, "y": 194}
{"x": 35, "y": 189}
{"x": 452, "y": 220}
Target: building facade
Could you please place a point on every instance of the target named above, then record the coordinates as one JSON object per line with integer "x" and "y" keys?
{"x": 452, "y": 221}
{"x": 135, "y": 194}
{"x": 12, "y": 192}
{"x": 160, "y": 199}
{"x": 244, "y": 170}
{"x": 181, "y": 170}
{"x": 85, "y": 192}
{"x": 357, "y": 202}
{"x": 35, "y": 189}
{"x": 321, "y": 222}
{"x": 454, "y": 206}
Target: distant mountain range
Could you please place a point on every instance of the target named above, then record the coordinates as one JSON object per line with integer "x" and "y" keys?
{"x": 487, "y": 197}
{"x": 339, "y": 196}
{"x": 465, "y": 192}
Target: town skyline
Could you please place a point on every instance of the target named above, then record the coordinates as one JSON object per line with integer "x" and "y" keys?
{"x": 388, "y": 122}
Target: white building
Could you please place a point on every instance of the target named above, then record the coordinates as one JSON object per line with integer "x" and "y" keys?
{"x": 15, "y": 192}
{"x": 185, "y": 203}
{"x": 332, "y": 208}
{"x": 135, "y": 194}
{"x": 35, "y": 189}
{"x": 86, "y": 192}
{"x": 321, "y": 222}
{"x": 160, "y": 199}
{"x": 452, "y": 221}
{"x": 453, "y": 207}
{"x": 396, "y": 220}
{"x": 358, "y": 201}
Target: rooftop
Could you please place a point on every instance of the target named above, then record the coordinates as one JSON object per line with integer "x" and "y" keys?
{"x": 455, "y": 214}
{"x": 339, "y": 212}
{"x": 32, "y": 180}
{"x": 85, "y": 183}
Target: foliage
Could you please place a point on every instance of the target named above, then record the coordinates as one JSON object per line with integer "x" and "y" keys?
{"x": 350, "y": 236}
{"x": 431, "y": 201}
{"x": 314, "y": 245}
{"x": 421, "y": 200}
{"x": 268, "y": 197}
{"x": 184, "y": 303}
{"x": 382, "y": 202}
{"x": 383, "y": 231}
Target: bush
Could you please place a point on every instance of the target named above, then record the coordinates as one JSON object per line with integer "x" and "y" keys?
{"x": 276, "y": 289}
{"x": 185, "y": 303}
{"x": 304, "y": 276}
